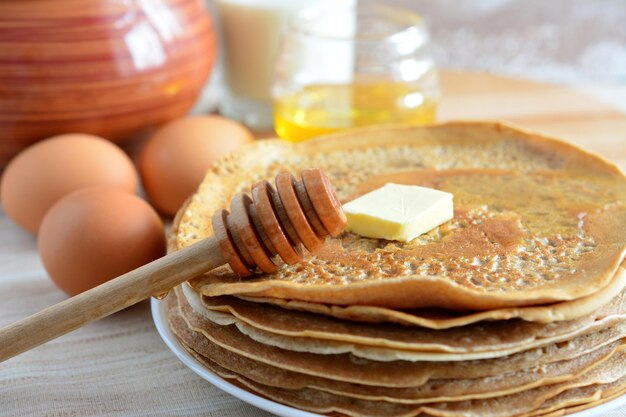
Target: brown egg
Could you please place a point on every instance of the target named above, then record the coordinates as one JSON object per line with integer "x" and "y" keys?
{"x": 42, "y": 174}
{"x": 175, "y": 160}
{"x": 96, "y": 234}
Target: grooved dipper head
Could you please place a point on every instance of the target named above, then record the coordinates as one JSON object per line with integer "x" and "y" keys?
{"x": 278, "y": 221}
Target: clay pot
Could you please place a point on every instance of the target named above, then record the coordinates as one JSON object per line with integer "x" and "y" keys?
{"x": 108, "y": 67}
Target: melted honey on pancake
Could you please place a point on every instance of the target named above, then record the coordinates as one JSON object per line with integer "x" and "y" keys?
{"x": 549, "y": 202}
{"x": 511, "y": 230}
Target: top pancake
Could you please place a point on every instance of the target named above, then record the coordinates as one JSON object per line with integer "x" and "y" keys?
{"x": 536, "y": 220}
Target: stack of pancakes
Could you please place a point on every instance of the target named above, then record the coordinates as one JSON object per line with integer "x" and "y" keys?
{"x": 516, "y": 307}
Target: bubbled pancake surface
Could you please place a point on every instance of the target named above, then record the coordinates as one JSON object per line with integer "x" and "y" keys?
{"x": 536, "y": 220}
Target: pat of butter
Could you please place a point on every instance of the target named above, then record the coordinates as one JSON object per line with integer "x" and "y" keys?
{"x": 398, "y": 212}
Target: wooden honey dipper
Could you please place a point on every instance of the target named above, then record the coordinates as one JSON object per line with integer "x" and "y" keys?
{"x": 273, "y": 222}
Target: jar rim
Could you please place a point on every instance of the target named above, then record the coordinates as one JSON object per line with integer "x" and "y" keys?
{"x": 401, "y": 21}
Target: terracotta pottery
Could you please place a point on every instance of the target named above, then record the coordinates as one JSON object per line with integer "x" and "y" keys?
{"x": 107, "y": 67}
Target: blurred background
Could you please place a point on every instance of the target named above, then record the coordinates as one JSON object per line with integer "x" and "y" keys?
{"x": 573, "y": 42}
{"x": 560, "y": 41}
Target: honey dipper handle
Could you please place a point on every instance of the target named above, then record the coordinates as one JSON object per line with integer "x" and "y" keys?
{"x": 154, "y": 278}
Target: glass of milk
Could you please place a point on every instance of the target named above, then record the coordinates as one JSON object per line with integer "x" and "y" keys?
{"x": 251, "y": 32}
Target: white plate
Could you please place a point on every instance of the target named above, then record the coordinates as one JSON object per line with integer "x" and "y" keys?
{"x": 160, "y": 321}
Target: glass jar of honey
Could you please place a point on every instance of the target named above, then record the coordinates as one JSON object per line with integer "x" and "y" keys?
{"x": 344, "y": 68}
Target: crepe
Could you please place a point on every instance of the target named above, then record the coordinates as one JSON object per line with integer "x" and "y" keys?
{"x": 579, "y": 399}
{"x": 306, "y": 332}
{"x": 320, "y": 402}
{"x": 525, "y": 402}
{"x": 349, "y": 368}
{"x": 537, "y": 221}
{"x": 606, "y": 393}
{"x": 436, "y": 390}
{"x": 445, "y": 319}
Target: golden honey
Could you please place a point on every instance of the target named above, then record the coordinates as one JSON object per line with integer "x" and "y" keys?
{"x": 319, "y": 109}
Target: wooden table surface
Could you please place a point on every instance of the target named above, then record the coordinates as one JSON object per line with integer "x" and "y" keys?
{"x": 120, "y": 367}
{"x": 561, "y": 111}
